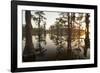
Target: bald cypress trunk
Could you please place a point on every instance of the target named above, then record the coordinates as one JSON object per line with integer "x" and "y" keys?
{"x": 69, "y": 32}
{"x": 69, "y": 48}
{"x": 28, "y": 53}
{"x": 87, "y": 40}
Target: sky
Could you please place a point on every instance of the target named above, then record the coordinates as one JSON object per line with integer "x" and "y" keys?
{"x": 51, "y": 17}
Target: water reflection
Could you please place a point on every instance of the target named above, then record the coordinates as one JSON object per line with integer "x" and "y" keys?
{"x": 54, "y": 47}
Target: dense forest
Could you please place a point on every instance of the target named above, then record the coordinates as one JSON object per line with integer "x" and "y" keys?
{"x": 64, "y": 38}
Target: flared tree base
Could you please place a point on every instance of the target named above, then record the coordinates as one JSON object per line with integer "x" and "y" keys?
{"x": 28, "y": 55}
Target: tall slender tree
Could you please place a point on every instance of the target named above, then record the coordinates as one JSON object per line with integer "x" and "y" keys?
{"x": 39, "y": 18}
{"x": 68, "y": 17}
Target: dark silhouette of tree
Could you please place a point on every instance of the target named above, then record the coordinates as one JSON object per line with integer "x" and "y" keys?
{"x": 69, "y": 49}
{"x": 87, "y": 40}
{"x": 68, "y": 18}
{"x": 71, "y": 19}
{"x": 39, "y": 18}
{"x": 28, "y": 53}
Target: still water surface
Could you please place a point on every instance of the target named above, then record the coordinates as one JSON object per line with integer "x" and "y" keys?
{"x": 53, "y": 47}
